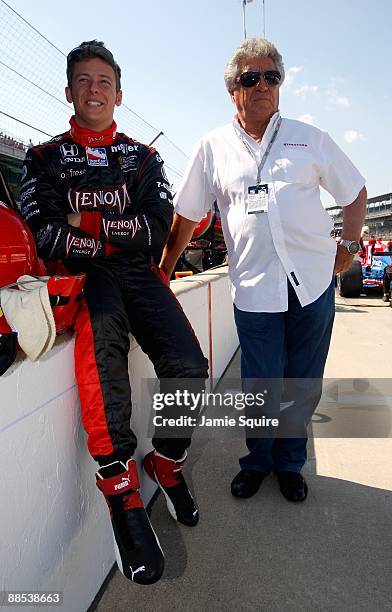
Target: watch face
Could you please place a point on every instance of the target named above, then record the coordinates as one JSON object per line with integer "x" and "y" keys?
{"x": 353, "y": 247}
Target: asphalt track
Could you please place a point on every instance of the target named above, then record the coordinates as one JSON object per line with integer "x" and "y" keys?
{"x": 333, "y": 552}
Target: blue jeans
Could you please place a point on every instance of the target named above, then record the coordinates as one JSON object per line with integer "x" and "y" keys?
{"x": 291, "y": 348}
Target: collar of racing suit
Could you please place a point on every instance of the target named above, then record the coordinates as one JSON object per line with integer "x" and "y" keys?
{"x": 88, "y": 138}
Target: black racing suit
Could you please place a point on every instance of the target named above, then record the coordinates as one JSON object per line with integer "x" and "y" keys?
{"x": 120, "y": 188}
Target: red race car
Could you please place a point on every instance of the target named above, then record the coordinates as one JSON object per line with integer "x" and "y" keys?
{"x": 18, "y": 257}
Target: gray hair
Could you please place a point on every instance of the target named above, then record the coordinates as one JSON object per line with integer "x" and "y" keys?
{"x": 253, "y": 47}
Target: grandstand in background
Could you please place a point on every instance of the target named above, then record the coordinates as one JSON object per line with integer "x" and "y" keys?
{"x": 12, "y": 154}
{"x": 378, "y": 210}
{"x": 378, "y": 216}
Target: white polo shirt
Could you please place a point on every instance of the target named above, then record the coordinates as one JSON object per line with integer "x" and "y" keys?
{"x": 292, "y": 239}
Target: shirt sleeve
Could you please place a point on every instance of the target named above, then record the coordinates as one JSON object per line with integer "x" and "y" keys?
{"x": 147, "y": 230}
{"x": 42, "y": 208}
{"x": 338, "y": 175}
{"x": 195, "y": 196}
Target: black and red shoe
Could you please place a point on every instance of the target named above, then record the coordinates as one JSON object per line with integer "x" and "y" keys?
{"x": 138, "y": 552}
{"x": 167, "y": 473}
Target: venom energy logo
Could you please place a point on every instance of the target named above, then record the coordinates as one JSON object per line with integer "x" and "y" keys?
{"x": 127, "y": 227}
{"x": 99, "y": 199}
{"x": 87, "y": 246}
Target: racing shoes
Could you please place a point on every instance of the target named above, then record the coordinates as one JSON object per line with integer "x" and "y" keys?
{"x": 138, "y": 552}
{"x": 167, "y": 473}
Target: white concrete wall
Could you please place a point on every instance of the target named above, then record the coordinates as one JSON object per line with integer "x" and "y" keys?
{"x": 223, "y": 340}
{"x": 55, "y": 532}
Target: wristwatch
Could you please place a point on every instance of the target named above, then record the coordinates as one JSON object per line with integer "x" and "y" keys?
{"x": 351, "y": 245}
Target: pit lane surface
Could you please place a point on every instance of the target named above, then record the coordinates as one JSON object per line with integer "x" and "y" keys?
{"x": 332, "y": 552}
{"x": 362, "y": 338}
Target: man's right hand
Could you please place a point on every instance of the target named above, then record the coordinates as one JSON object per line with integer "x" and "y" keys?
{"x": 164, "y": 275}
{"x": 179, "y": 238}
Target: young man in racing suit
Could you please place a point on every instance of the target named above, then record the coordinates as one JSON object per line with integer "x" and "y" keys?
{"x": 100, "y": 202}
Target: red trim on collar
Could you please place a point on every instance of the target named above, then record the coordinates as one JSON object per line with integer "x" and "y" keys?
{"x": 88, "y": 138}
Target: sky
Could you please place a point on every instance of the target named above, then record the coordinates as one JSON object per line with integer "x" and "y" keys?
{"x": 337, "y": 56}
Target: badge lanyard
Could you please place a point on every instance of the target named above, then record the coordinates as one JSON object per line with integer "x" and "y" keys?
{"x": 266, "y": 153}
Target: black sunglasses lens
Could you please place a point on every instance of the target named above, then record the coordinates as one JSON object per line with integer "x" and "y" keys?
{"x": 272, "y": 77}
{"x": 250, "y": 79}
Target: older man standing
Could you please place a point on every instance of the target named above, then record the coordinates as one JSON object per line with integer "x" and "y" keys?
{"x": 265, "y": 172}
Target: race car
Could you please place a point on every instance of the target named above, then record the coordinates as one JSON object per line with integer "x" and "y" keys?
{"x": 373, "y": 275}
{"x": 371, "y": 271}
{"x": 207, "y": 248}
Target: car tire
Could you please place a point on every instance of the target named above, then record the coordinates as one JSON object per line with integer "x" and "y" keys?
{"x": 349, "y": 283}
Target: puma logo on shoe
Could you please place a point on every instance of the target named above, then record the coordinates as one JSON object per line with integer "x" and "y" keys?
{"x": 121, "y": 485}
{"x": 142, "y": 568}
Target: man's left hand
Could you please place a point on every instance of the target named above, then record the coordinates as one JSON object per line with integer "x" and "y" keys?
{"x": 343, "y": 260}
